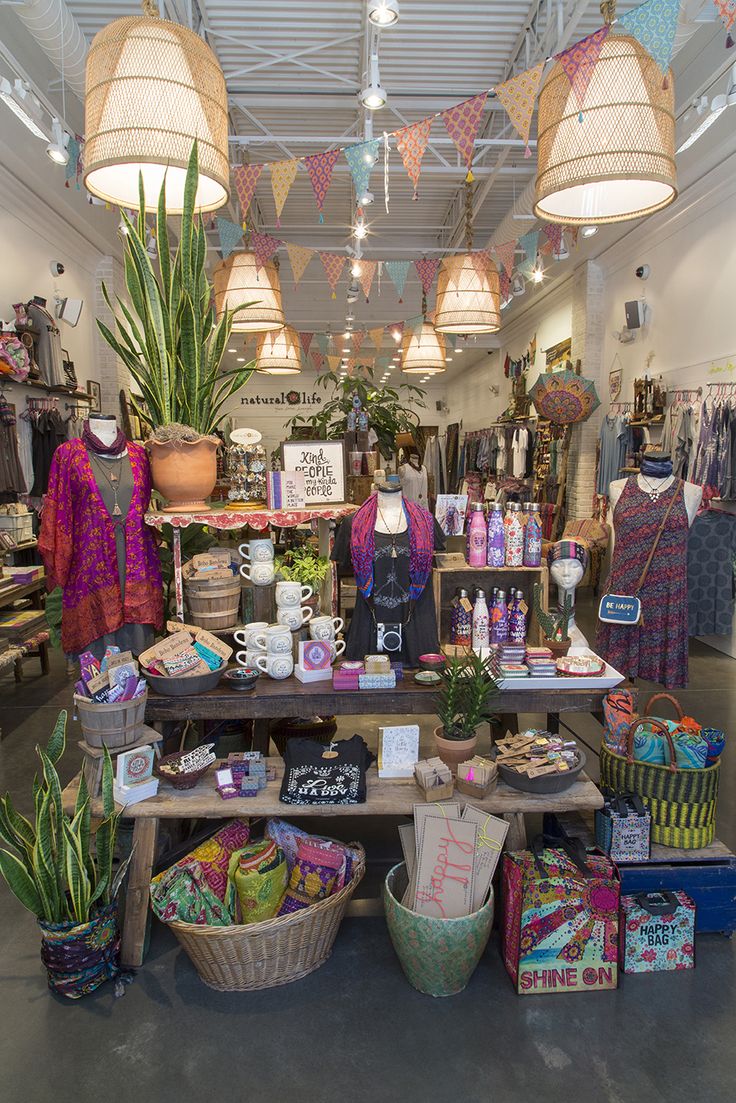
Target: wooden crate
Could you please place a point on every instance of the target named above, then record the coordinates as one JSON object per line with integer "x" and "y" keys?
{"x": 453, "y": 573}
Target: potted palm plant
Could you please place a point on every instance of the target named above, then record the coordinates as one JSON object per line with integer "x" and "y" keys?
{"x": 50, "y": 866}
{"x": 462, "y": 704}
{"x": 172, "y": 344}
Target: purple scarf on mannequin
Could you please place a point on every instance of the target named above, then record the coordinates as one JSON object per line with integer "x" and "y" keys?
{"x": 96, "y": 445}
{"x": 363, "y": 545}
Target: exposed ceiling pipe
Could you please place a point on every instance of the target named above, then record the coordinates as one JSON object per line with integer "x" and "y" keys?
{"x": 60, "y": 37}
{"x": 508, "y": 227}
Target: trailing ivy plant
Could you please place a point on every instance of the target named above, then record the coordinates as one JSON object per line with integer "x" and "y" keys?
{"x": 303, "y": 564}
{"x": 49, "y": 863}
{"x": 389, "y": 409}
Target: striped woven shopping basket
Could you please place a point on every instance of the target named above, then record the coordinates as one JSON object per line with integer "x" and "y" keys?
{"x": 682, "y": 802}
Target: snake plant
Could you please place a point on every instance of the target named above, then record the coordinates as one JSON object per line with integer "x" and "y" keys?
{"x": 49, "y": 864}
{"x": 170, "y": 339}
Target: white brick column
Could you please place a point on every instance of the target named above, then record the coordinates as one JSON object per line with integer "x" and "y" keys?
{"x": 113, "y": 374}
{"x": 587, "y": 346}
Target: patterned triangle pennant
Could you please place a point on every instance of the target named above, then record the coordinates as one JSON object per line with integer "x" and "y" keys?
{"x": 334, "y": 362}
{"x": 572, "y": 235}
{"x": 358, "y": 339}
{"x": 727, "y": 12}
{"x": 546, "y": 248}
{"x": 229, "y": 234}
{"x": 481, "y": 260}
{"x": 426, "y": 270}
{"x": 579, "y": 60}
{"x": 318, "y": 359}
{"x": 306, "y": 340}
{"x": 553, "y": 233}
{"x": 526, "y": 268}
{"x": 246, "y": 177}
{"x": 530, "y": 243}
{"x": 411, "y": 143}
{"x": 283, "y": 174}
{"x": 653, "y": 24}
{"x": 398, "y": 270}
{"x": 518, "y": 96}
{"x": 367, "y": 272}
{"x": 320, "y": 168}
{"x": 461, "y": 123}
{"x": 361, "y": 159}
{"x": 299, "y": 258}
{"x": 505, "y": 254}
{"x": 74, "y": 165}
{"x": 264, "y": 247}
{"x": 505, "y": 280}
{"x": 376, "y": 336}
{"x": 333, "y": 265}
{"x": 323, "y": 343}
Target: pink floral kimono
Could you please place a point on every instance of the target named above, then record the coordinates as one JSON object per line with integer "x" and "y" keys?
{"x": 77, "y": 543}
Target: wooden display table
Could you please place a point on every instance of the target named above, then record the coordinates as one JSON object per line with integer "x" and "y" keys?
{"x": 386, "y": 797}
{"x": 34, "y": 591}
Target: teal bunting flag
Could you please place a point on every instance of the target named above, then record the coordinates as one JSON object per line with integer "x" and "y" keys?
{"x": 230, "y": 236}
{"x": 653, "y": 24}
{"x": 361, "y": 160}
{"x": 526, "y": 268}
{"x": 398, "y": 270}
{"x": 529, "y": 243}
{"x": 323, "y": 342}
{"x": 415, "y": 323}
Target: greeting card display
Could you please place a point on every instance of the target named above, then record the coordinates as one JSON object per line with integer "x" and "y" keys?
{"x": 446, "y": 868}
{"x": 450, "y": 511}
{"x": 398, "y": 750}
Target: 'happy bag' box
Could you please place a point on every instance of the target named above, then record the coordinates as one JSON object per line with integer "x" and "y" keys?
{"x": 657, "y": 932}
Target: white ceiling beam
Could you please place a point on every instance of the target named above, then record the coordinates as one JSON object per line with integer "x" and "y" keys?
{"x": 277, "y": 58}
{"x": 328, "y": 141}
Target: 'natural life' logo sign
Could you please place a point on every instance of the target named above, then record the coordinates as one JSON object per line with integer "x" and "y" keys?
{"x": 285, "y": 398}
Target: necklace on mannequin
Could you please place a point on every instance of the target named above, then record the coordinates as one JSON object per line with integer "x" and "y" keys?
{"x": 393, "y": 535}
{"x": 652, "y": 492}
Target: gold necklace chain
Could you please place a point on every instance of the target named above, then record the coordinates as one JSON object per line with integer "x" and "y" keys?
{"x": 393, "y": 535}
{"x": 113, "y": 480}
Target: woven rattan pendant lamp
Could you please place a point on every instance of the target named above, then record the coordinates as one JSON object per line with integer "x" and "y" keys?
{"x": 468, "y": 287}
{"x": 619, "y": 162}
{"x": 239, "y": 281}
{"x": 423, "y": 350}
{"x": 279, "y": 353}
{"x": 153, "y": 88}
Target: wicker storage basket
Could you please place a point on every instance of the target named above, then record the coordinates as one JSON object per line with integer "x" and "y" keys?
{"x": 277, "y": 951}
{"x": 214, "y": 603}
{"x": 112, "y": 726}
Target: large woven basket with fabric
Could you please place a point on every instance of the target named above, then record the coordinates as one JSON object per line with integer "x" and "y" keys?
{"x": 246, "y": 957}
{"x": 682, "y": 802}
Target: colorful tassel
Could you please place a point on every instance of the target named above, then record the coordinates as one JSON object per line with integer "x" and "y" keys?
{"x": 334, "y": 296}
{"x": 580, "y": 116}
{"x": 469, "y": 178}
{"x": 729, "y": 41}
{"x": 527, "y": 152}
{"x": 321, "y": 217}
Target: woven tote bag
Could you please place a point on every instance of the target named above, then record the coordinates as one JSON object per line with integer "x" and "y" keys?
{"x": 682, "y": 802}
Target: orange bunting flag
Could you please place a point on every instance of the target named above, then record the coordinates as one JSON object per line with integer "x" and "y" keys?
{"x": 462, "y": 123}
{"x": 299, "y": 258}
{"x": 518, "y": 97}
{"x": 376, "y": 336}
{"x": 283, "y": 174}
{"x": 318, "y": 359}
{"x": 333, "y": 265}
{"x": 411, "y": 144}
{"x": 246, "y": 177}
{"x": 481, "y": 259}
{"x": 334, "y": 362}
{"x": 367, "y": 272}
{"x": 306, "y": 340}
{"x": 505, "y": 254}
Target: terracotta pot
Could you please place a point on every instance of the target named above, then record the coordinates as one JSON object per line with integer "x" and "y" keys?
{"x": 558, "y": 647}
{"x": 184, "y": 472}
{"x": 454, "y": 751}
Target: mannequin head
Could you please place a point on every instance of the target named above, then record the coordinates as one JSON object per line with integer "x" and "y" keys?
{"x": 568, "y": 562}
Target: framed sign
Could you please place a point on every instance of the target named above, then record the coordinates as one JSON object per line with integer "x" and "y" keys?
{"x": 614, "y": 383}
{"x": 322, "y": 462}
{"x": 95, "y": 396}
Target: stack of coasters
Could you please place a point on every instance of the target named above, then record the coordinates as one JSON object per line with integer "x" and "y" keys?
{"x": 377, "y": 664}
{"x": 511, "y": 652}
{"x": 377, "y": 681}
{"x": 513, "y": 670}
{"x": 541, "y": 662}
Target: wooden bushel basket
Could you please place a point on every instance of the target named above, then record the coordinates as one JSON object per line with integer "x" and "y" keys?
{"x": 112, "y": 726}
{"x": 213, "y": 604}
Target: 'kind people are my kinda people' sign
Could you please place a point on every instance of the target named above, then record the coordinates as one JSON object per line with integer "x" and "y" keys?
{"x": 322, "y": 462}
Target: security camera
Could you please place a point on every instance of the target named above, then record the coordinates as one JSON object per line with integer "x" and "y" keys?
{"x": 57, "y": 268}
{"x": 642, "y": 272}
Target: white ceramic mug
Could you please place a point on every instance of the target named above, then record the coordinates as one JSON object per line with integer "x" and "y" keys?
{"x": 244, "y": 636}
{"x": 291, "y": 594}
{"x": 325, "y": 628}
{"x": 294, "y": 618}
{"x": 276, "y": 640}
{"x": 337, "y": 647}
{"x": 276, "y": 666}
{"x": 260, "y": 574}
{"x": 248, "y": 658}
{"x": 258, "y": 551}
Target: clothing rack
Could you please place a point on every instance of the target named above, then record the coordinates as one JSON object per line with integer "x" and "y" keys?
{"x": 686, "y": 394}
{"x": 722, "y": 390}
{"x": 620, "y": 407}
{"x": 41, "y": 403}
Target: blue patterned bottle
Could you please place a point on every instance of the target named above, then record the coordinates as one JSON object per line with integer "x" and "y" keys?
{"x": 517, "y": 618}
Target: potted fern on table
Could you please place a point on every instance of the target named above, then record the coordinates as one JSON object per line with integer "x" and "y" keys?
{"x": 52, "y": 868}
{"x": 172, "y": 343}
{"x": 462, "y": 704}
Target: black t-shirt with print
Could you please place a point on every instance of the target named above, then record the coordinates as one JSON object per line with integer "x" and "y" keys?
{"x": 312, "y": 778}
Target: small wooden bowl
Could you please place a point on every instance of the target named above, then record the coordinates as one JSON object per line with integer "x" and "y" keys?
{"x": 179, "y": 781}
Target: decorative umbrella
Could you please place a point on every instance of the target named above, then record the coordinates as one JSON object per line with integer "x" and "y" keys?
{"x": 564, "y": 397}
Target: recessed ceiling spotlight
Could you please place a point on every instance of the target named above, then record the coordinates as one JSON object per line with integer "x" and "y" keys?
{"x": 372, "y": 96}
{"x": 396, "y": 334}
{"x": 517, "y": 286}
{"x": 366, "y": 198}
{"x": 538, "y": 271}
{"x": 383, "y": 13}
{"x": 589, "y": 231}
{"x": 232, "y": 350}
{"x": 241, "y": 359}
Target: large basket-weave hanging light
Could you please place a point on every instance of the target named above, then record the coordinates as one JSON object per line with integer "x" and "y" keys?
{"x": 423, "y": 351}
{"x": 238, "y": 280}
{"x": 619, "y": 162}
{"x": 279, "y": 353}
{"x": 153, "y": 88}
{"x": 468, "y": 295}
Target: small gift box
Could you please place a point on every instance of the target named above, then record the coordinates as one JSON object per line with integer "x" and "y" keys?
{"x": 434, "y": 779}
{"x": 377, "y": 681}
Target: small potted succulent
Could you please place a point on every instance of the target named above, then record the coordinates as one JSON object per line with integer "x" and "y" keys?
{"x": 462, "y": 704}
{"x": 555, "y": 626}
{"x": 62, "y": 872}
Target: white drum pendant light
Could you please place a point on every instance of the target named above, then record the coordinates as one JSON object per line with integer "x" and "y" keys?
{"x": 618, "y": 163}
{"x": 468, "y": 287}
{"x": 153, "y": 88}
{"x": 238, "y": 281}
{"x": 279, "y": 353}
{"x": 423, "y": 351}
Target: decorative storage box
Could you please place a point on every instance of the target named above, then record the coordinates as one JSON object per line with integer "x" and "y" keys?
{"x": 20, "y": 526}
{"x": 560, "y": 923}
{"x": 657, "y": 932}
{"x": 623, "y": 829}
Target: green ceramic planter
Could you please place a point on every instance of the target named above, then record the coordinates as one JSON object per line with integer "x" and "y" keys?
{"x": 438, "y": 956}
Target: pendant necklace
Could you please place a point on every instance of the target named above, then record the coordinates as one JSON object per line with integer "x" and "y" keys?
{"x": 653, "y": 492}
{"x": 113, "y": 478}
{"x": 393, "y": 535}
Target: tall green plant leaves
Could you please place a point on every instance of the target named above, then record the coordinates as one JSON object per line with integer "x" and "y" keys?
{"x": 21, "y": 883}
{"x": 77, "y": 879}
{"x": 57, "y": 741}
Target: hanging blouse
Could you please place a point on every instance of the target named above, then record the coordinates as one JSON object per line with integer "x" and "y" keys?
{"x": 77, "y": 543}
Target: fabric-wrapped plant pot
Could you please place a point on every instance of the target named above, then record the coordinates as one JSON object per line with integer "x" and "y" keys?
{"x": 80, "y": 957}
{"x": 247, "y": 957}
{"x": 438, "y": 956}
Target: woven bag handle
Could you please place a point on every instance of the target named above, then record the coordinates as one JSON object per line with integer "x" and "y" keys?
{"x": 660, "y": 530}
{"x": 665, "y": 697}
{"x": 659, "y": 727}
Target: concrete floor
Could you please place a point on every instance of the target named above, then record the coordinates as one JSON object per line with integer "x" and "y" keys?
{"x": 356, "y": 1029}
